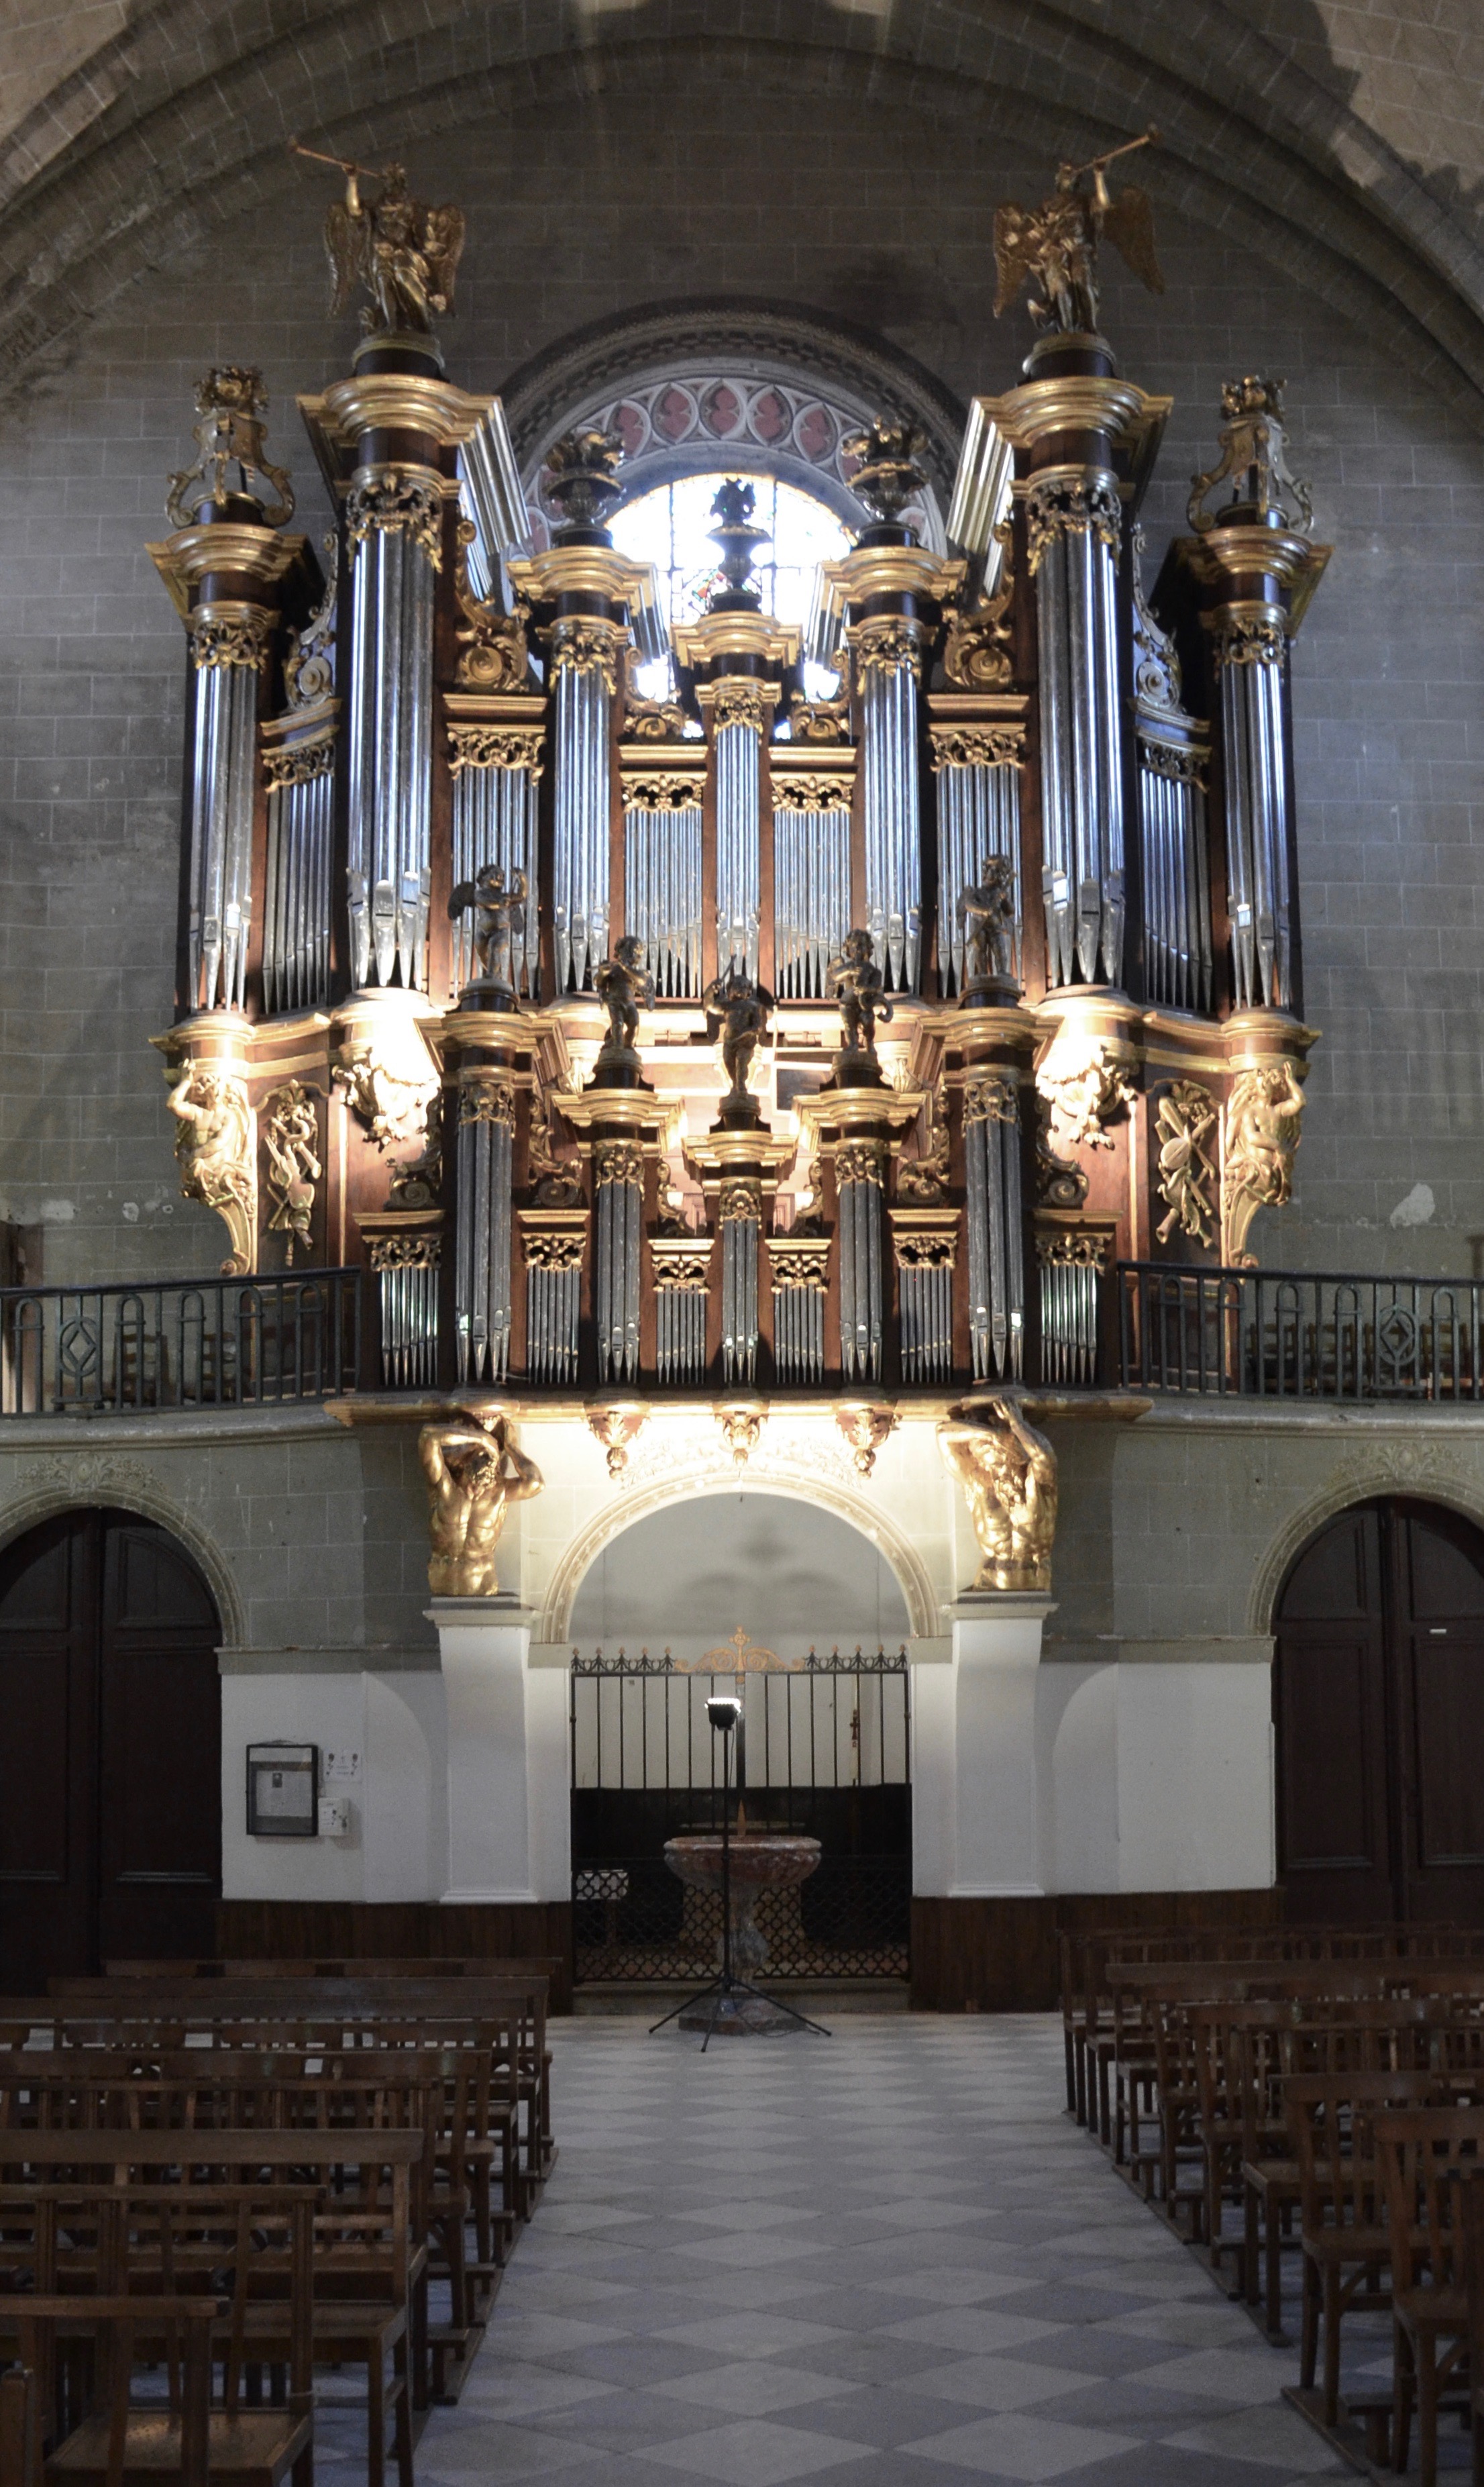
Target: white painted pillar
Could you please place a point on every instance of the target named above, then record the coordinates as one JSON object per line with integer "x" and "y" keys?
{"x": 980, "y": 1821}
{"x": 506, "y": 1770}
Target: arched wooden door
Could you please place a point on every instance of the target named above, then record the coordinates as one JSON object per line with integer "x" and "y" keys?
{"x": 1379, "y": 1705}
{"x": 110, "y": 1756}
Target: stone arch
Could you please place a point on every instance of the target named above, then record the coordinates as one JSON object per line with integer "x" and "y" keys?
{"x": 921, "y": 1597}
{"x": 121, "y": 1484}
{"x": 1423, "y": 1472}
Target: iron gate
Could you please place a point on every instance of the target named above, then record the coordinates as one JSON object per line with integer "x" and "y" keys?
{"x": 827, "y": 1750}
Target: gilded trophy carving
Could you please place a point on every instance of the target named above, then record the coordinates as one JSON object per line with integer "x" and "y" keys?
{"x": 1186, "y": 1122}
{"x": 498, "y": 906}
{"x": 737, "y": 1010}
{"x": 290, "y": 1139}
{"x": 1054, "y": 248}
{"x": 1255, "y": 455}
{"x": 1083, "y": 1083}
{"x": 403, "y": 253}
{"x": 1262, "y": 1123}
{"x": 232, "y": 401}
{"x": 1007, "y": 1472}
{"x": 856, "y": 982}
{"x": 215, "y": 1152}
{"x": 475, "y": 1471}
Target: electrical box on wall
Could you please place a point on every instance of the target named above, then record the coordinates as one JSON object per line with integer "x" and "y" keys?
{"x": 283, "y": 1787}
{"x": 335, "y": 1817}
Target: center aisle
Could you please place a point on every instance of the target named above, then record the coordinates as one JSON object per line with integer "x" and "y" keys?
{"x": 888, "y": 2257}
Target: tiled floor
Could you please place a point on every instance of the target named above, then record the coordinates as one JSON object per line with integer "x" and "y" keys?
{"x": 886, "y": 2260}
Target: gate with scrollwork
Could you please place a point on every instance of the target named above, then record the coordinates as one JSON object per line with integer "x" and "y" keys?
{"x": 827, "y": 1750}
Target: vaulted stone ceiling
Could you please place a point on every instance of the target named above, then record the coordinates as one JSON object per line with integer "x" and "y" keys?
{"x": 1342, "y": 140}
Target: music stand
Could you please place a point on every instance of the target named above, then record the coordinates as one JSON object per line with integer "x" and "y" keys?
{"x": 725, "y": 1711}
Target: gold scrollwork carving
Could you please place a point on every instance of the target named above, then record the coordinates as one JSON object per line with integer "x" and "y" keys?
{"x": 742, "y": 701}
{"x": 1183, "y": 761}
{"x": 1264, "y": 1115}
{"x": 290, "y": 1137}
{"x": 495, "y": 655}
{"x": 977, "y": 652}
{"x": 495, "y": 747}
{"x": 1156, "y": 666}
{"x": 1186, "y": 1122}
{"x": 795, "y": 1270}
{"x": 296, "y": 764}
{"x": 978, "y": 746}
{"x": 740, "y": 1204}
{"x": 742, "y": 1425}
{"x": 864, "y": 1424}
{"x": 555, "y": 1251}
{"x": 556, "y": 1183}
{"x": 309, "y": 667}
{"x": 682, "y": 1274}
{"x": 1072, "y": 1248}
{"x": 1059, "y": 1184}
{"x": 818, "y": 721}
{"x": 860, "y": 1162}
{"x": 229, "y": 633}
{"x": 215, "y": 1153}
{"x": 421, "y": 1252}
{"x": 232, "y": 401}
{"x": 486, "y": 1101}
{"x": 807, "y": 791}
{"x": 992, "y": 1098}
{"x": 617, "y": 1161}
{"x": 1254, "y": 452}
{"x": 936, "y": 1250}
{"x": 923, "y": 1179}
{"x": 665, "y": 790}
{"x": 1061, "y": 504}
{"x": 398, "y": 500}
{"x": 1250, "y": 634}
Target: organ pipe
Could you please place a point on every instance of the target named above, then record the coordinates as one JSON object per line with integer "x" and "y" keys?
{"x": 393, "y": 520}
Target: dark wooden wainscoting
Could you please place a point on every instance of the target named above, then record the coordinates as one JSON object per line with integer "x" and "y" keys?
{"x": 110, "y": 1754}
{"x": 1001, "y": 1955}
{"x": 400, "y": 1930}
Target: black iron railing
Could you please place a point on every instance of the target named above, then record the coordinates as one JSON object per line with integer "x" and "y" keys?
{"x": 181, "y": 1343}
{"x": 1297, "y": 1334}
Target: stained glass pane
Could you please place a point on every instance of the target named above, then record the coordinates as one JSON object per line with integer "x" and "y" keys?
{"x": 668, "y": 527}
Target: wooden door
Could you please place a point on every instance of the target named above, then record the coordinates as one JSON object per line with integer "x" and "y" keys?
{"x": 1379, "y": 1706}
{"x": 110, "y": 1764}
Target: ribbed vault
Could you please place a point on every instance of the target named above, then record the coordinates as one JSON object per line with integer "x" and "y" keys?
{"x": 1347, "y": 148}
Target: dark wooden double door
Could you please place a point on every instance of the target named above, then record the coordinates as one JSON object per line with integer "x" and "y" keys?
{"x": 110, "y": 1750}
{"x": 1379, "y": 1704}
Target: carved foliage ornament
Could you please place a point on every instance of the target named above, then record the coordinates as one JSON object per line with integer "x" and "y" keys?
{"x": 665, "y": 790}
{"x": 617, "y": 1161}
{"x": 616, "y": 1429}
{"x": 976, "y": 653}
{"x": 1061, "y": 504}
{"x": 931, "y": 1251}
{"x": 794, "y": 1268}
{"x": 398, "y": 500}
{"x": 888, "y": 644}
{"x": 420, "y": 1251}
{"x": 978, "y": 746}
{"x": 1250, "y": 638}
{"x": 864, "y": 1426}
{"x": 682, "y": 1272}
{"x": 215, "y": 1152}
{"x": 493, "y": 642}
{"x": 556, "y": 1182}
{"x": 230, "y": 634}
{"x": 1072, "y": 1248}
{"x": 992, "y": 1098}
{"x": 296, "y": 764}
{"x": 588, "y": 648}
{"x": 1186, "y": 763}
{"x": 923, "y": 1179}
{"x": 740, "y": 1204}
{"x": 1264, "y": 1115}
{"x": 1156, "y": 666}
{"x": 495, "y": 747}
{"x": 742, "y": 1426}
{"x": 741, "y": 700}
{"x": 290, "y": 1139}
{"x": 818, "y": 721}
{"x": 860, "y": 1162}
{"x": 803, "y": 790}
{"x": 482, "y": 1101}
{"x": 1186, "y": 1122}
{"x": 1007, "y": 1472}
{"x": 309, "y": 667}
{"x": 559, "y": 1251}
{"x": 1059, "y": 1184}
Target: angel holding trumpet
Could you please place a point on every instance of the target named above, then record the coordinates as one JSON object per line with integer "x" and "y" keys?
{"x": 1055, "y": 246}
{"x": 404, "y": 252}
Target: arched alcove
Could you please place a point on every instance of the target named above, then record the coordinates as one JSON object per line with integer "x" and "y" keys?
{"x": 789, "y": 1574}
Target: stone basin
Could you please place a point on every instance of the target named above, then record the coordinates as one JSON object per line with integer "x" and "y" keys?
{"x": 761, "y": 1861}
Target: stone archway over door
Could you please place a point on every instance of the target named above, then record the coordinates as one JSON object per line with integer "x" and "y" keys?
{"x": 110, "y": 1763}
{"x": 1379, "y": 1705}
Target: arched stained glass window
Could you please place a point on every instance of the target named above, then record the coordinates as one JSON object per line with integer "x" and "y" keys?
{"x": 670, "y": 526}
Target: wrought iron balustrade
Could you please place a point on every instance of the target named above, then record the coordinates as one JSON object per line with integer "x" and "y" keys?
{"x": 1297, "y": 1334}
{"x": 180, "y": 1342}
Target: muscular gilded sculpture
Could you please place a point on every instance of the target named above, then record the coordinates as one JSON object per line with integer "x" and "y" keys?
{"x": 474, "y": 1473}
{"x": 1008, "y": 1474}
{"x": 1055, "y": 247}
{"x": 859, "y": 987}
{"x": 215, "y": 1153}
{"x": 1264, "y": 1115}
{"x": 497, "y": 907}
{"x": 987, "y": 913}
{"x": 737, "y": 1010}
{"x": 402, "y": 251}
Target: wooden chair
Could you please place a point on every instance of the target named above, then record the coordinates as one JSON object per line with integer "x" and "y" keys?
{"x": 18, "y": 2427}
{"x": 1418, "y": 2154}
{"x": 1469, "y": 2227}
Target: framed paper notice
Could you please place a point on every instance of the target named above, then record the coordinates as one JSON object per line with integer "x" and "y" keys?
{"x": 283, "y": 1784}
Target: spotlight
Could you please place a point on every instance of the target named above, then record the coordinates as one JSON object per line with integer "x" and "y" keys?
{"x": 724, "y": 1710}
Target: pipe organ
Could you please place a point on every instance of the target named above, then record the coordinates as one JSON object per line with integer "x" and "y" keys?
{"x": 739, "y": 1039}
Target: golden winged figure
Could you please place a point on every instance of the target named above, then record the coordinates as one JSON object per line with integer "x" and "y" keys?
{"x": 1055, "y": 247}
{"x": 404, "y": 253}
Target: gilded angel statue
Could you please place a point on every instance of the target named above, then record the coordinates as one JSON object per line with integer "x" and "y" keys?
{"x": 1055, "y": 246}
{"x": 404, "y": 252}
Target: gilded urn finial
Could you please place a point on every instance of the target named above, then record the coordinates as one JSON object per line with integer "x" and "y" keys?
{"x": 232, "y": 401}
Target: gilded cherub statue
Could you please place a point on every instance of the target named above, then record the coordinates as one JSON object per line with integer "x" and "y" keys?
{"x": 231, "y": 403}
{"x": 987, "y": 913}
{"x": 497, "y": 904}
{"x": 1055, "y": 246}
{"x": 857, "y": 985}
{"x": 404, "y": 252}
{"x": 1255, "y": 454}
{"x": 1008, "y": 1474}
{"x": 474, "y": 1473}
{"x": 624, "y": 986}
{"x": 737, "y": 1010}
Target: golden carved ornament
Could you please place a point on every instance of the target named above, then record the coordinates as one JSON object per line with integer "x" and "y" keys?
{"x": 993, "y": 1097}
{"x": 296, "y": 764}
{"x": 588, "y": 647}
{"x": 798, "y": 1261}
{"x": 1187, "y": 1120}
{"x": 415, "y": 1183}
{"x": 818, "y": 721}
{"x": 420, "y": 1251}
{"x": 978, "y": 746}
{"x": 555, "y": 1251}
{"x": 654, "y": 721}
{"x": 1072, "y": 1248}
{"x": 396, "y": 500}
{"x": 1055, "y": 247}
{"x": 976, "y": 654}
{"x": 486, "y": 1101}
{"x": 392, "y": 1104}
{"x": 309, "y": 667}
{"x": 739, "y": 1203}
{"x": 481, "y": 745}
{"x": 1059, "y": 1183}
{"x": 1261, "y": 1130}
{"x": 556, "y": 1183}
{"x": 1255, "y": 455}
{"x": 1156, "y": 666}
{"x": 1248, "y": 634}
{"x": 936, "y": 1249}
{"x": 228, "y": 633}
{"x": 740, "y": 700}
{"x": 232, "y": 401}
{"x": 474, "y": 1472}
{"x": 864, "y": 1424}
{"x": 617, "y": 1161}
{"x": 663, "y": 790}
{"x": 923, "y": 1179}
{"x": 741, "y": 1423}
{"x": 290, "y": 1138}
{"x": 1183, "y": 761}
{"x": 807, "y": 791}
{"x": 495, "y": 654}
{"x": 1007, "y": 1472}
{"x": 860, "y": 1162}
{"x": 403, "y": 253}
{"x": 1071, "y": 501}
{"x": 888, "y": 643}
{"x": 682, "y": 1272}
{"x": 1083, "y": 1083}
{"x": 616, "y": 1426}
{"x": 215, "y": 1152}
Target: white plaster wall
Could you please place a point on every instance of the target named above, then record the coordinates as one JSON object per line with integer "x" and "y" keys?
{"x": 398, "y": 1836}
{"x": 1195, "y": 1775}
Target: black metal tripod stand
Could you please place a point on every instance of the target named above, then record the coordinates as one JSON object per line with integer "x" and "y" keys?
{"x": 724, "y": 1713}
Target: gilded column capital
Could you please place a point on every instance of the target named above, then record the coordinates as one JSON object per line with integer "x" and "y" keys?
{"x": 1069, "y": 501}
{"x": 890, "y": 643}
{"x": 229, "y": 633}
{"x": 588, "y": 645}
{"x": 397, "y": 499}
{"x": 740, "y": 699}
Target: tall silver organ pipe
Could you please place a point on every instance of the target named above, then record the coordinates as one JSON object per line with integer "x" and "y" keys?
{"x": 800, "y": 1273}
{"x": 481, "y": 1266}
{"x": 740, "y": 1217}
{"x": 859, "y": 1175}
{"x": 618, "y": 1216}
{"x": 977, "y": 771}
{"x": 811, "y": 885}
{"x": 1254, "y": 772}
{"x": 925, "y": 1290}
{"x": 738, "y": 856}
{"x": 682, "y": 1267}
{"x": 407, "y": 1270}
{"x": 1074, "y": 530}
{"x": 228, "y": 642}
{"x": 1175, "y": 874}
{"x": 582, "y": 662}
{"x": 296, "y": 901}
{"x": 394, "y": 516}
{"x": 496, "y": 782}
{"x": 1070, "y": 1268}
{"x": 890, "y": 658}
{"x": 554, "y": 1254}
{"x": 662, "y": 826}
{"x": 997, "y": 1322}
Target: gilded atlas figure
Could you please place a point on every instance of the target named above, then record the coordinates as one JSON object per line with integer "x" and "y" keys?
{"x": 737, "y": 1010}
{"x": 624, "y": 986}
{"x": 402, "y": 251}
{"x": 214, "y": 1153}
{"x": 856, "y": 982}
{"x": 1008, "y": 1474}
{"x": 987, "y": 915}
{"x": 1053, "y": 247}
{"x": 474, "y": 1473}
{"x": 497, "y": 905}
